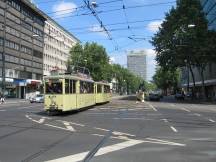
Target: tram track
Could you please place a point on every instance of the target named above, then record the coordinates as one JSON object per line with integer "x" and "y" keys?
{"x": 46, "y": 148}
{"x": 92, "y": 152}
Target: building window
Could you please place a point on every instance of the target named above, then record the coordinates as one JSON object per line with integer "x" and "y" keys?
{"x": 38, "y": 32}
{"x": 13, "y": 18}
{"x": 26, "y": 50}
{"x": 1, "y": 12}
{"x": 27, "y": 13}
{"x": 12, "y": 31}
{"x": 14, "y": 4}
{"x": 38, "y": 54}
{"x": 27, "y": 25}
{"x": 1, "y": 42}
{"x": 12, "y": 45}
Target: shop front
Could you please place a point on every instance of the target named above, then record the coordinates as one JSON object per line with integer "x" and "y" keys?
{"x": 10, "y": 88}
{"x": 33, "y": 87}
{"x": 20, "y": 88}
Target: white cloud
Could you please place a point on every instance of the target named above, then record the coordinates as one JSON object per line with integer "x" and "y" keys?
{"x": 150, "y": 52}
{"x": 97, "y": 29}
{"x": 154, "y": 26}
{"x": 64, "y": 8}
{"x": 112, "y": 60}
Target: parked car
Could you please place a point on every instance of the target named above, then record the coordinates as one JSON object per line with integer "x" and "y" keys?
{"x": 154, "y": 96}
{"x": 179, "y": 96}
{"x": 37, "y": 99}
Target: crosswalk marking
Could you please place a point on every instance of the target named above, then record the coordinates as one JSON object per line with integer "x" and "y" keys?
{"x": 112, "y": 148}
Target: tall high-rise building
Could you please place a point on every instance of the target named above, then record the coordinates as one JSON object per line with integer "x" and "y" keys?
{"x": 136, "y": 63}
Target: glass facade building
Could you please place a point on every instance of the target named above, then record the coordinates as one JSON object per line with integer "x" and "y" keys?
{"x": 209, "y": 8}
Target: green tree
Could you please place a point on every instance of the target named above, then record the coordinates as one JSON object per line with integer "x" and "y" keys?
{"x": 93, "y": 57}
{"x": 178, "y": 45}
{"x": 167, "y": 79}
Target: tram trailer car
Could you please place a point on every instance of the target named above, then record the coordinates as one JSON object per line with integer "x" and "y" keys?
{"x": 66, "y": 93}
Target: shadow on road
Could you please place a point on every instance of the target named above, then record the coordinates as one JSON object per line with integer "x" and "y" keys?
{"x": 129, "y": 98}
{"x": 59, "y": 113}
{"x": 171, "y": 99}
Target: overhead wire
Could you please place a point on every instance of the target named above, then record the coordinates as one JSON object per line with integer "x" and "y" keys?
{"x": 128, "y": 25}
{"x": 117, "y": 23}
{"x": 106, "y": 11}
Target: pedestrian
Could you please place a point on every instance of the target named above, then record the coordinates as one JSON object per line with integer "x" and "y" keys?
{"x": 2, "y": 100}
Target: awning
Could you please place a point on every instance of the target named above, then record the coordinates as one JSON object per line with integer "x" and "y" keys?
{"x": 33, "y": 81}
{"x": 20, "y": 82}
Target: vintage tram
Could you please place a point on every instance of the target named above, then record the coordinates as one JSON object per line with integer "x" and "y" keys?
{"x": 66, "y": 92}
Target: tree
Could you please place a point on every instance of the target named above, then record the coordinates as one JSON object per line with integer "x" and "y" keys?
{"x": 167, "y": 79}
{"x": 178, "y": 45}
{"x": 93, "y": 57}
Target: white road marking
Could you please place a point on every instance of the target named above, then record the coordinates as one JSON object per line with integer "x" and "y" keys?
{"x": 211, "y": 120}
{"x": 106, "y": 130}
{"x": 100, "y": 135}
{"x": 197, "y": 114}
{"x": 37, "y": 121}
{"x": 166, "y": 142}
{"x": 82, "y": 125}
{"x": 165, "y": 120}
{"x": 2, "y": 110}
{"x": 57, "y": 127}
{"x": 112, "y": 148}
{"x": 174, "y": 130}
{"x": 152, "y": 107}
{"x": 41, "y": 120}
{"x": 131, "y": 119}
{"x": 69, "y": 127}
{"x": 185, "y": 109}
{"x": 121, "y": 133}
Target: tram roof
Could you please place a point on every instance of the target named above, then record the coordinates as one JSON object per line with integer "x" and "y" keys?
{"x": 69, "y": 77}
{"x": 73, "y": 77}
{"x": 103, "y": 83}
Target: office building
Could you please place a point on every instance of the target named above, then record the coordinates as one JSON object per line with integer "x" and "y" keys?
{"x": 21, "y": 47}
{"x": 58, "y": 43}
{"x": 136, "y": 63}
{"x": 31, "y": 45}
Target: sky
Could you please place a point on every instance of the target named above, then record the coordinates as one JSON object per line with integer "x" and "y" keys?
{"x": 130, "y": 24}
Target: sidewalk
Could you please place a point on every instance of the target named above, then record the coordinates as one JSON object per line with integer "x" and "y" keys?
{"x": 15, "y": 100}
{"x": 172, "y": 99}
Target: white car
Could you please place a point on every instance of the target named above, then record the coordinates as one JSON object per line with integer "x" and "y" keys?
{"x": 37, "y": 99}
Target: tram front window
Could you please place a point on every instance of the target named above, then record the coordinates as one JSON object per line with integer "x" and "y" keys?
{"x": 54, "y": 87}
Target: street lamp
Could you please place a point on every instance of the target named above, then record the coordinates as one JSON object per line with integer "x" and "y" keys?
{"x": 191, "y": 25}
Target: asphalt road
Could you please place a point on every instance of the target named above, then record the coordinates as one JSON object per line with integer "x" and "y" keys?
{"x": 120, "y": 131}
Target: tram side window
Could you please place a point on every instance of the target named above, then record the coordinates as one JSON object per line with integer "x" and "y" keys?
{"x": 86, "y": 87}
{"x": 54, "y": 87}
{"x": 90, "y": 88}
{"x": 67, "y": 88}
{"x": 106, "y": 89}
{"x": 72, "y": 86}
{"x": 99, "y": 88}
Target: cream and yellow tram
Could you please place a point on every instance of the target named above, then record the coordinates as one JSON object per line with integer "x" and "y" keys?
{"x": 68, "y": 92}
